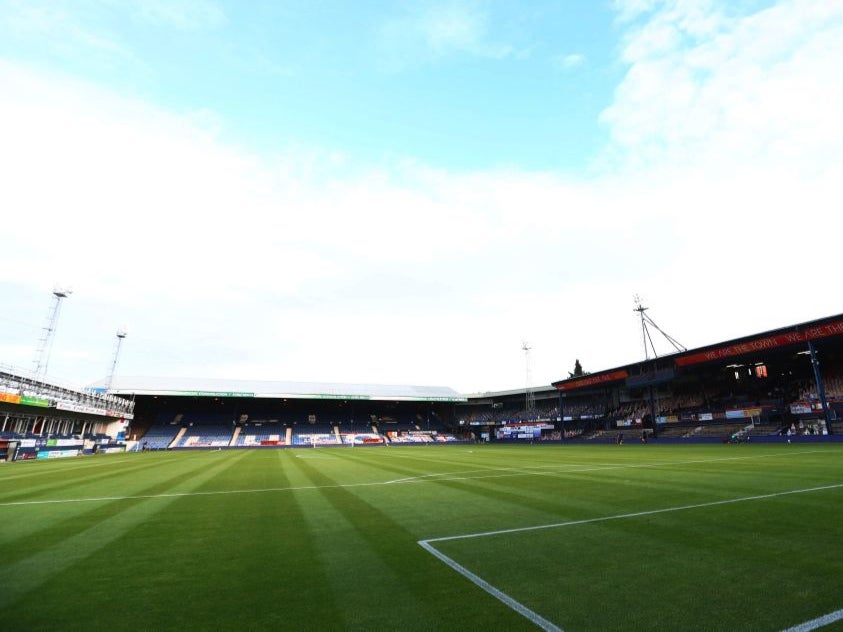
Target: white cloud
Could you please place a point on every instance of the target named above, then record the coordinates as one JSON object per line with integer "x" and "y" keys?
{"x": 179, "y": 14}
{"x": 719, "y": 207}
{"x": 435, "y": 30}
{"x": 731, "y": 122}
{"x": 571, "y": 60}
{"x": 293, "y": 261}
{"x": 59, "y": 30}
{"x": 719, "y": 92}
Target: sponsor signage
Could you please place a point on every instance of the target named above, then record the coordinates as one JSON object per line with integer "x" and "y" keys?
{"x": 762, "y": 344}
{"x": 800, "y": 409}
{"x": 10, "y": 398}
{"x": 63, "y": 443}
{"x": 518, "y": 432}
{"x": 34, "y": 401}
{"x": 357, "y": 396}
{"x": 80, "y": 408}
{"x": 40, "y": 402}
{"x": 593, "y": 380}
{"x": 806, "y": 408}
{"x": 743, "y": 413}
{"x": 523, "y": 430}
{"x": 628, "y": 423}
{"x": 208, "y": 394}
{"x": 112, "y": 449}
{"x": 56, "y": 454}
{"x": 91, "y": 410}
{"x": 407, "y": 398}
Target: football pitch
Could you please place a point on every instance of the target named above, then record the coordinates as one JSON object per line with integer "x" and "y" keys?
{"x": 485, "y": 537}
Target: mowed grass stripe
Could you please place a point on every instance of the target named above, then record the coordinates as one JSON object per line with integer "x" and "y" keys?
{"x": 33, "y": 469}
{"x": 724, "y": 565}
{"x": 235, "y": 562}
{"x": 119, "y": 477}
{"x": 385, "y": 568}
{"x": 44, "y": 527}
{"x": 356, "y": 569}
{"x": 25, "y": 575}
{"x": 264, "y": 541}
{"x": 142, "y": 477}
{"x": 496, "y": 472}
{"x": 590, "y": 493}
{"x": 605, "y": 544}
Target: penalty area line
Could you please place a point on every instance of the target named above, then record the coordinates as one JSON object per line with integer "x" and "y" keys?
{"x": 819, "y": 622}
{"x": 517, "y": 606}
{"x": 543, "y": 623}
{"x": 637, "y": 514}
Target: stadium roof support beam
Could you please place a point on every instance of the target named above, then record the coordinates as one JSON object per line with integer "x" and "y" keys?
{"x": 818, "y": 378}
{"x": 646, "y": 323}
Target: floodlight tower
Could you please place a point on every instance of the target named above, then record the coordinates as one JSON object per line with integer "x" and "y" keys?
{"x": 45, "y": 343}
{"x": 530, "y": 397}
{"x": 121, "y": 335}
{"x": 646, "y": 323}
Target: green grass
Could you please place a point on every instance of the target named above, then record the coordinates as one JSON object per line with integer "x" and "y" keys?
{"x": 322, "y": 540}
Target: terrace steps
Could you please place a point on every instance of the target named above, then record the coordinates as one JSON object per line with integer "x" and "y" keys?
{"x": 236, "y": 434}
{"x": 177, "y": 438}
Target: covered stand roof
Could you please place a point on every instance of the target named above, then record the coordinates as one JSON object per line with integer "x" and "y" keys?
{"x": 782, "y": 338}
{"x": 216, "y": 387}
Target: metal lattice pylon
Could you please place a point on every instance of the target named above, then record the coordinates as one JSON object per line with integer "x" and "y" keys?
{"x": 529, "y": 395}
{"x": 45, "y": 343}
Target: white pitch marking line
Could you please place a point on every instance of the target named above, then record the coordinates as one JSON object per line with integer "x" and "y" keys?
{"x": 637, "y": 514}
{"x": 520, "y": 608}
{"x": 819, "y": 622}
{"x": 509, "y": 472}
{"x": 530, "y": 470}
{"x": 416, "y": 478}
{"x": 540, "y": 621}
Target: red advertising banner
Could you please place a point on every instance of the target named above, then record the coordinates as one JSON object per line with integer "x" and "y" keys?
{"x": 760, "y": 344}
{"x": 593, "y": 380}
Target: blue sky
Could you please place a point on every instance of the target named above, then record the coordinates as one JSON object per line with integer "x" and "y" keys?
{"x": 403, "y": 192}
{"x": 462, "y": 85}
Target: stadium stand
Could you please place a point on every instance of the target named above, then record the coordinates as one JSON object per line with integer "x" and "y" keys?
{"x": 159, "y": 437}
{"x": 206, "y": 436}
{"x": 315, "y": 434}
{"x": 262, "y": 434}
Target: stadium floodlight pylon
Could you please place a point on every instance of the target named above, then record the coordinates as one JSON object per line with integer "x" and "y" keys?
{"x": 45, "y": 343}
{"x": 646, "y": 323}
{"x": 529, "y": 395}
{"x": 121, "y": 335}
